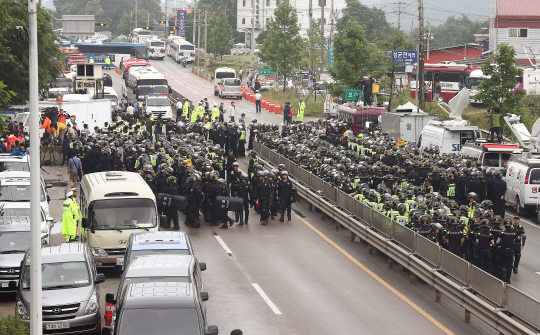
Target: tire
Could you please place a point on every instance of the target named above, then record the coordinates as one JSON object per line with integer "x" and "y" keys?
{"x": 538, "y": 215}
{"x": 519, "y": 210}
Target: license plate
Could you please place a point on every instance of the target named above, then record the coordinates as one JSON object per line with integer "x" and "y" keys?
{"x": 99, "y": 263}
{"x": 5, "y": 284}
{"x": 54, "y": 326}
{"x": 119, "y": 261}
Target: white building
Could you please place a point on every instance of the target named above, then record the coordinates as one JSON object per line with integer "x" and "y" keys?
{"x": 264, "y": 9}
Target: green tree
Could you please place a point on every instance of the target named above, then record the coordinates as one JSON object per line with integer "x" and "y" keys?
{"x": 227, "y": 7}
{"x": 372, "y": 20}
{"x": 5, "y": 98}
{"x": 499, "y": 90}
{"x": 220, "y": 35}
{"x": 14, "y": 53}
{"x": 282, "y": 48}
{"x": 262, "y": 36}
{"x": 313, "y": 45}
{"x": 354, "y": 57}
{"x": 455, "y": 31}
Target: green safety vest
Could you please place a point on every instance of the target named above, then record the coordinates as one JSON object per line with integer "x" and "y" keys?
{"x": 402, "y": 219}
{"x": 154, "y": 160}
{"x": 105, "y": 129}
{"x": 242, "y": 136}
{"x": 451, "y": 192}
{"x": 215, "y": 113}
{"x": 185, "y": 109}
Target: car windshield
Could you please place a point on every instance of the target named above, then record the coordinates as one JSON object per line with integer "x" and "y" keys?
{"x": 472, "y": 83}
{"x": 232, "y": 82}
{"x": 60, "y": 275}
{"x": 17, "y": 212}
{"x": 124, "y": 214}
{"x": 17, "y": 193}
{"x": 170, "y": 321}
{"x": 157, "y": 44}
{"x": 157, "y": 102}
{"x": 147, "y": 89}
{"x": 16, "y": 166}
{"x": 150, "y": 252}
{"x": 16, "y": 241}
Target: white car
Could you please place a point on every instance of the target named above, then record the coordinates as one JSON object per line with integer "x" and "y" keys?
{"x": 230, "y": 87}
{"x": 158, "y": 105}
{"x": 23, "y": 209}
{"x": 15, "y": 187}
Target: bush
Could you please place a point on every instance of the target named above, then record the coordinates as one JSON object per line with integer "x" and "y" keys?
{"x": 12, "y": 325}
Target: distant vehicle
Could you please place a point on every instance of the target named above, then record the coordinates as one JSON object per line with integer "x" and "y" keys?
{"x": 158, "y": 105}
{"x": 115, "y": 51}
{"x": 222, "y": 73}
{"x": 15, "y": 187}
{"x": 23, "y": 209}
{"x": 491, "y": 155}
{"x": 16, "y": 163}
{"x": 361, "y": 117}
{"x": 239, "y": 49}
{"x": 182, "y": 50}
{"x": 140, "y": 35}
{"x": 451, "y": 76}
{"x": 230, "y": 87}
{"x": 71, "y": 301}
{"x": 143, "y": 81}
{"x": 472, "y": 83}
{"x": 155, "y": 49}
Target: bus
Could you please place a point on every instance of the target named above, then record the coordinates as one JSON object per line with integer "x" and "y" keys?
{"x": 450, "y": 76}
{"x": 115, "y": 51}
{"x": 472, "y": 84}
{"x": 182, "y": 49}
{"x": 140, "y": 35}
{"x": 361, "y": 118}
{"x": 141, "y": 81}
{"x": 155, "y": 49}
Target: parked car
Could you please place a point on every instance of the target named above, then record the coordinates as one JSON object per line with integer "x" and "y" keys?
{"x": 230, "y": 88}
{"x": 70, "y": 288}
{"x": 15, "y": 187}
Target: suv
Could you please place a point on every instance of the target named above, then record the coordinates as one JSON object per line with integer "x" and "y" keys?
{"x": 157, "y": 243}
{"x": 15, "y": 187}
{"x": 14, "y": 163}
{"x": 159, "y": 105}
{"x": 176, "y": 308}
{"x": 230, "y": 87}
{"x": 70, "y": 290}
{"x": 492, "y": 155}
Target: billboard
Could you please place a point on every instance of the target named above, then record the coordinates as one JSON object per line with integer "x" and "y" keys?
{"x": 181, "y": 23}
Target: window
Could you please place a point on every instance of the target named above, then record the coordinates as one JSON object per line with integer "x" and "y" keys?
{"x": 534, "y": 176}
{"x": 491, "y": 159}
{"x": 518, "y": 32}
{"x": 268, "y": 3}
{"x": 243, "y": 21}
{"x": 244, "y": 3}
{"x": 267, "y": 20}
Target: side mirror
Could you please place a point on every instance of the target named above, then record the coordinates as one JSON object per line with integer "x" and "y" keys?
{"x": 204, "y": 296}
{"x": 212, "y": 330}
{"x": 162, "y": 220}
{"x": 48, "y": 186}
{"x": 107, "y": 331}
{"x": 100, "y": 278}
{"x": 84, "y": 223}
{"x": 202, "y": 265}
{"x": 109, "y": 298}
{"x": 50, "y": 219}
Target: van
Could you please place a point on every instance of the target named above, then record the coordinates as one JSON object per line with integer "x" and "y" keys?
{"x": 220, "y": 74}
{"x": 230, "y": 87}
{"x": 449, "y": 136}
{"x": 492, "y": 155}
{"x": 15, "y": 187}
{"x": 114, "y": 205}
{"x": 523, "y": 182}
{"x": 176, "y": 308}
{"x": 14, "y": 163}
{"x": 239, "y": 49}
{"x": 158, "y": 243}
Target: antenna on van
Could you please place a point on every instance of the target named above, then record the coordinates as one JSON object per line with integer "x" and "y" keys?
{"x": 456, "y": 105}
{"x": 529, "y": 140}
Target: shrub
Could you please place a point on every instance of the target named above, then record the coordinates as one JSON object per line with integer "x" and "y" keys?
{"x": 12, "y": 325}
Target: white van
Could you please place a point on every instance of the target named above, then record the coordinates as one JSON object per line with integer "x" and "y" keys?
{"x": 15, "y": 187}
{"x": 449, "y": 136}
{"x": 114, "y": 205}
{"x": 220, "y": 74}
{"x": 239, "y": 49}
{"x": 523, "y": 182}
{"x": 492, "y": 155}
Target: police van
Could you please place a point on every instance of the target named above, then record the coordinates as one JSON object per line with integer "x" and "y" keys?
{"x": 491, "y": 155}
{"x": 159, "y": 105}
{"x": 114, "y": 205}
{"x": 523, "y": 182}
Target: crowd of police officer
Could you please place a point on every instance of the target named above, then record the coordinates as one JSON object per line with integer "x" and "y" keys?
{"x": 449, "y": 200}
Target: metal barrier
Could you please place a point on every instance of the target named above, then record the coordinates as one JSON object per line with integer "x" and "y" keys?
{"x": 501, "y": 306}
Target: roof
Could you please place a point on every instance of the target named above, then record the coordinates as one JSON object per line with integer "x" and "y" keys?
{"x": 61, "y": 253}
{"x": 14, "y": 223}
{"x": 159, "y": 295}
{"x": 160, "y": 240}
{"x": 160, "y": 265}
{"x": 481, "y": 32}
{"x": 524, "y": 8}
{"x": 103, "y": 183}
{"x": 502, "y": 147}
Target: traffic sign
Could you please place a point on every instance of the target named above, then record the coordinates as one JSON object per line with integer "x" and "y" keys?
{"x": 404, "y": 56}
{"x": 266, "y": 72}
{"x": 181, "y": 22}
{"x": 351, "y": 94}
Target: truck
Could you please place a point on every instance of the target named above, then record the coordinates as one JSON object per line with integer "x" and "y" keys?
{"x": 92, "y": 112}
{"x": 406, "y": 122}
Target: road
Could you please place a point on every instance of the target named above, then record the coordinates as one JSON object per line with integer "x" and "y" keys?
{"x": 303, "y": 276}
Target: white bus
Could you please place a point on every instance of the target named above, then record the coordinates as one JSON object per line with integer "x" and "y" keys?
{"x": 140, "y": 35}
{"x": 114, "y": 205}
{"x": 473, "y": 83}
{"x": 182, "y": 49}
{"x": 155, "y": 49}
{"x": 143, "y": 81}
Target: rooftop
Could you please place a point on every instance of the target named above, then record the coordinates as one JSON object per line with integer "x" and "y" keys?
{"x": 524, "y": 8}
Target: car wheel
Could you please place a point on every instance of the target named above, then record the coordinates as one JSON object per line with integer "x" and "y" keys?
{"x": 519, "y": 210}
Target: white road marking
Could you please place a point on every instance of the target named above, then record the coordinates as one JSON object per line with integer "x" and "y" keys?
{"x": 249, "y": 111}
{"x": 538, "y": 273}
{"x": 266, "y": 299}
{"x": 227, "y": 250}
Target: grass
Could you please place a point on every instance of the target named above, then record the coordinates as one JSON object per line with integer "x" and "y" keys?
{"x": 312, "y": 107}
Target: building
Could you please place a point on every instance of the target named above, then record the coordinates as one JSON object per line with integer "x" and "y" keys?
{"x": 454, "y": 53}
{"x": 481, "y": 35}
{"x": 516, "y": 22}
{"x": 264, "y": 10}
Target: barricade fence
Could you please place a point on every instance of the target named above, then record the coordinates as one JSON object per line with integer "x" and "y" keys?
{"x": 502, "y": 297}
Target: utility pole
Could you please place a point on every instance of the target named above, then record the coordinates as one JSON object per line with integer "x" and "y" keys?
{"x": 252, "y": 39}
{"x": 148, "y": 22}
{"x": 194, "y": 19}
{"x": 136, "y": 14}
{"x": 322, "y": 3}
{"x": 428, "y": 38}
{"x": 310, "y": 13}
{"x": 166, "y": 31}
{"x": 205, "y": 36}
{"x": 131, "y": 22}
{"x": 420, "y": 82}
{"x": 399, "y": 16}
{"x": 198, "y": 40}
{"x": 36, "y": 326}
{"x": 332, "y": 21}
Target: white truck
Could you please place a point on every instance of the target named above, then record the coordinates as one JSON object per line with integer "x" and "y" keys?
{"x": 92, "y": 112}
{"x": 406, "y": 122}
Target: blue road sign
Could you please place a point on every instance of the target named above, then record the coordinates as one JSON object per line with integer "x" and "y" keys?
{"x": 181, "y": 22}
{"x": 404, "y": 56}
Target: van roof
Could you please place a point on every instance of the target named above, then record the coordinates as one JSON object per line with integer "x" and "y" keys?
{"x": 14, "y": 223}
{"x": 494, "y": 147}
{"x": 160, "y": 265}
{"x": 111, "y": 184}
{"x": 161, "y": 295}
{"x": 61, "y": 253}
{"x": 159, "y": 240}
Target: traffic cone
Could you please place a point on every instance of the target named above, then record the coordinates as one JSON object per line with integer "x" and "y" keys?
{"x": 108, "y": 309}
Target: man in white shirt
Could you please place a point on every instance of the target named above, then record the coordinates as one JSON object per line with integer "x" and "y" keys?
{"x": 179, "y": 108}
{"x": 130, "y": 110}
{"x": 258, "y": 97}
{"x": 232, "y": 111}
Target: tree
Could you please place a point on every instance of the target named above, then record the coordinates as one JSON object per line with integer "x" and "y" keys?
{"x": 5, "y": 98}
{"x": 372, "y": 20}
{"x": 228, "y": 7}
{"x": 262, "y": 36}
{"x": 14, "y": 65}
{"x": 220, "y": 35}
{"x": 355, "y": 57}
{"x": 282, "y": 48}
{"x": 500, "y": 90}
{"x": 313, "y": 44}
{"x": 455, "y": 31}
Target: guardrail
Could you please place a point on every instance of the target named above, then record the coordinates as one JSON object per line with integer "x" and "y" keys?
{"x": 200, "y": 73}
{"x": 502, "y": 306}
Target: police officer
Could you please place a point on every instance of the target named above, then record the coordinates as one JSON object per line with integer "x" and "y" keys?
{"x": 263, "y": 193}
{"x": 212, "y": 191}
{"x": 171, "y": 213}
{"x": 484, "y": 243}
{"x": 70, "y": 217}
{"x": 224, "y": 218}
{"x": 285, "y": 193}
{"x": 244, "y": 192}
{"x": 454, "y": 237}
{"x": 519, "y": 243}
{"x": 195, "y": 198}
{"x": 499, "y": 191}
{"x": 505, "y": 243}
